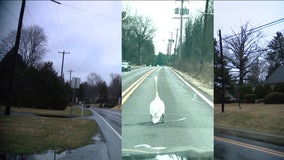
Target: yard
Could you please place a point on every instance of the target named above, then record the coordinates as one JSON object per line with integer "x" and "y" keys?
{"x": 256, "y": 117}
{"x": 42, "y": 130}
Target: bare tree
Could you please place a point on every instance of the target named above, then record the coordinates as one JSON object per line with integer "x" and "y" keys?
{"x": 93, "y": 79}
{"x": 143, "y": 30}
{"x": 243, "y": 51}
{"x": 32, "y": 45}
{"x": 115, "y": 87}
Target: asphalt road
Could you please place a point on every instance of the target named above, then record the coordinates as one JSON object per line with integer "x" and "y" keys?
{"x": 129, "y": 78}
{"x": 187, "y": 131}
{"x": 110, "y": 127}
{"x": 231, "y": 147}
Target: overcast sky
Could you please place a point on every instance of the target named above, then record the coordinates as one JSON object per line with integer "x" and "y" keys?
{"x": 161, "y": 13}
{"x": 230, "y": 15}
{"x": 89, "y": 30}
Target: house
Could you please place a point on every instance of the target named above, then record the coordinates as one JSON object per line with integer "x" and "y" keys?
{"x": 276, "y": 77}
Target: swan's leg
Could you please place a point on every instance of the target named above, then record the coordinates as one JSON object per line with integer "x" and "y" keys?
{"x": 162, "y": 118}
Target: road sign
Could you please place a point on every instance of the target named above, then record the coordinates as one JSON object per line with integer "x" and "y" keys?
{"x": 75, "y": 83}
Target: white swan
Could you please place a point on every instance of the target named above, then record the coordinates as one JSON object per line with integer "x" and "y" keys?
{"x": 157, "y": 107}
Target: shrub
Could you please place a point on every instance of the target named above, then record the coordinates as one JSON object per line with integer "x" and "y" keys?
{"x": 279, "y": 88}
{"x": 274, "y": 98}
{"x": 249, "y": 98}
{"x": 261, "y": 91}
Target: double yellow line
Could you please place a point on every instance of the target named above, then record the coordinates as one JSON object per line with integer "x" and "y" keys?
{"x": 269, "y": 151}
{"x": 126, "y": 94}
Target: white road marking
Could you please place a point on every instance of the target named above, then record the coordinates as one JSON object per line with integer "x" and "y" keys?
{"x": 142, "y": 145}
{"x": 119, "y": 136}
{"x": 176, "y": 120}
{"x": 181, "y": 119}
{"x": 196, "y": 91}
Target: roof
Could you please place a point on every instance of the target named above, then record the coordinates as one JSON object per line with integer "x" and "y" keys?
{"x": 277, "y": 76}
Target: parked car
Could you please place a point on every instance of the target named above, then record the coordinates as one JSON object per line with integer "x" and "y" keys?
{"x": 126, "y": 66}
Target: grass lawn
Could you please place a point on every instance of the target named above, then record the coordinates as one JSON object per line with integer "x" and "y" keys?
{"x": 257, "y": 117}
{"x": 25, "y": 134}
{"x": 55, "y": 113}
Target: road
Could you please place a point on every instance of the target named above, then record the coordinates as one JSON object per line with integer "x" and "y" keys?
{"x": 187, "y": 131}
{"x": 110, "y": 127}
{"x": 231, "y": 147}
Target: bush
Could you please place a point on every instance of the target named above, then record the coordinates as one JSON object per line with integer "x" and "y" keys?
{"x": 249, "y": 98}
{"x": 261, "y": 91}
{"x": 279, "y": 88}
{"x": 274, "y": 98}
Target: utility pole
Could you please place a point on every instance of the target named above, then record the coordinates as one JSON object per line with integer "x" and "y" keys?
{"x": 63, "y": 53}
{"x": 14, "y": 52}
{"x": 175, "y": 49}
{"x": 180, "y": 34}
{"x": 182, "y": 11}
{"x": 222, "y": 72}
{"x": 70, "y": 71}
{"x": 204, "y": 36}
{"x": 169, "y": 49}
{"x": 171, "y": 41}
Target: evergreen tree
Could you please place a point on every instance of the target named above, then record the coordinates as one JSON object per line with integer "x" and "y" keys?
{"x": 275, "y": 54}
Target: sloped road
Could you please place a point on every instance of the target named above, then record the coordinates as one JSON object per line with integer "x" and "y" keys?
{"x": 187, "y": 130}
{"x": 110, "y": 126}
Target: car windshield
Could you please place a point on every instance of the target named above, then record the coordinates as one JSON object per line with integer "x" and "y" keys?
{"x": 169, "y": 155}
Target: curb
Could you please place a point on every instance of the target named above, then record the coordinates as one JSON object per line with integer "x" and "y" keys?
{"x": 257, "y": 136}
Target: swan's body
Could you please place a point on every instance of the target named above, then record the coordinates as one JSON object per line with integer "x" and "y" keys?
{"x": 157, "y": 107}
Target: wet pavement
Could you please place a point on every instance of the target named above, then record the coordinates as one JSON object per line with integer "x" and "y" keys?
{"x": 232, "y": 147}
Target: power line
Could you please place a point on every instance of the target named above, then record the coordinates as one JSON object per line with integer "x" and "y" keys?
{"x": 50, "y": 15}
{"x": 35, "y": 6}
{"x": 29, "y": 13}
{"x": 258, "y": 28}
{"x": 97, "y": 14}
{"x": 268, "y": 24}
{"x": 61, "y": 28}
{"x": 17, "y": 18}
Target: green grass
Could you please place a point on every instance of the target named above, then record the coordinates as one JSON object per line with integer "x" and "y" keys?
{"x": 25, "y": 134}
{"x": 56, "y": 113}
{"x": 256, "y": 117}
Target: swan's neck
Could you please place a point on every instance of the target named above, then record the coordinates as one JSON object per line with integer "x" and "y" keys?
{"x": 156, "y": 88}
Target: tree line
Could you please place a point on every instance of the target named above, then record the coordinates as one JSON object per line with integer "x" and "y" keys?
{"x": 195, "y": 54}
{"x": 137, "y": 38}
{"x": 95, "y": 90}
{"x": 37, "y": 84}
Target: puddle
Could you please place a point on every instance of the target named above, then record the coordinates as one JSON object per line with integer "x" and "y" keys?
{"x": 48, "y": 155}
{"x": 98, "y": 148}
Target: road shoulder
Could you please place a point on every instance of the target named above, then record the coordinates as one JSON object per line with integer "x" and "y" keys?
{"x": 253, "y": 135}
